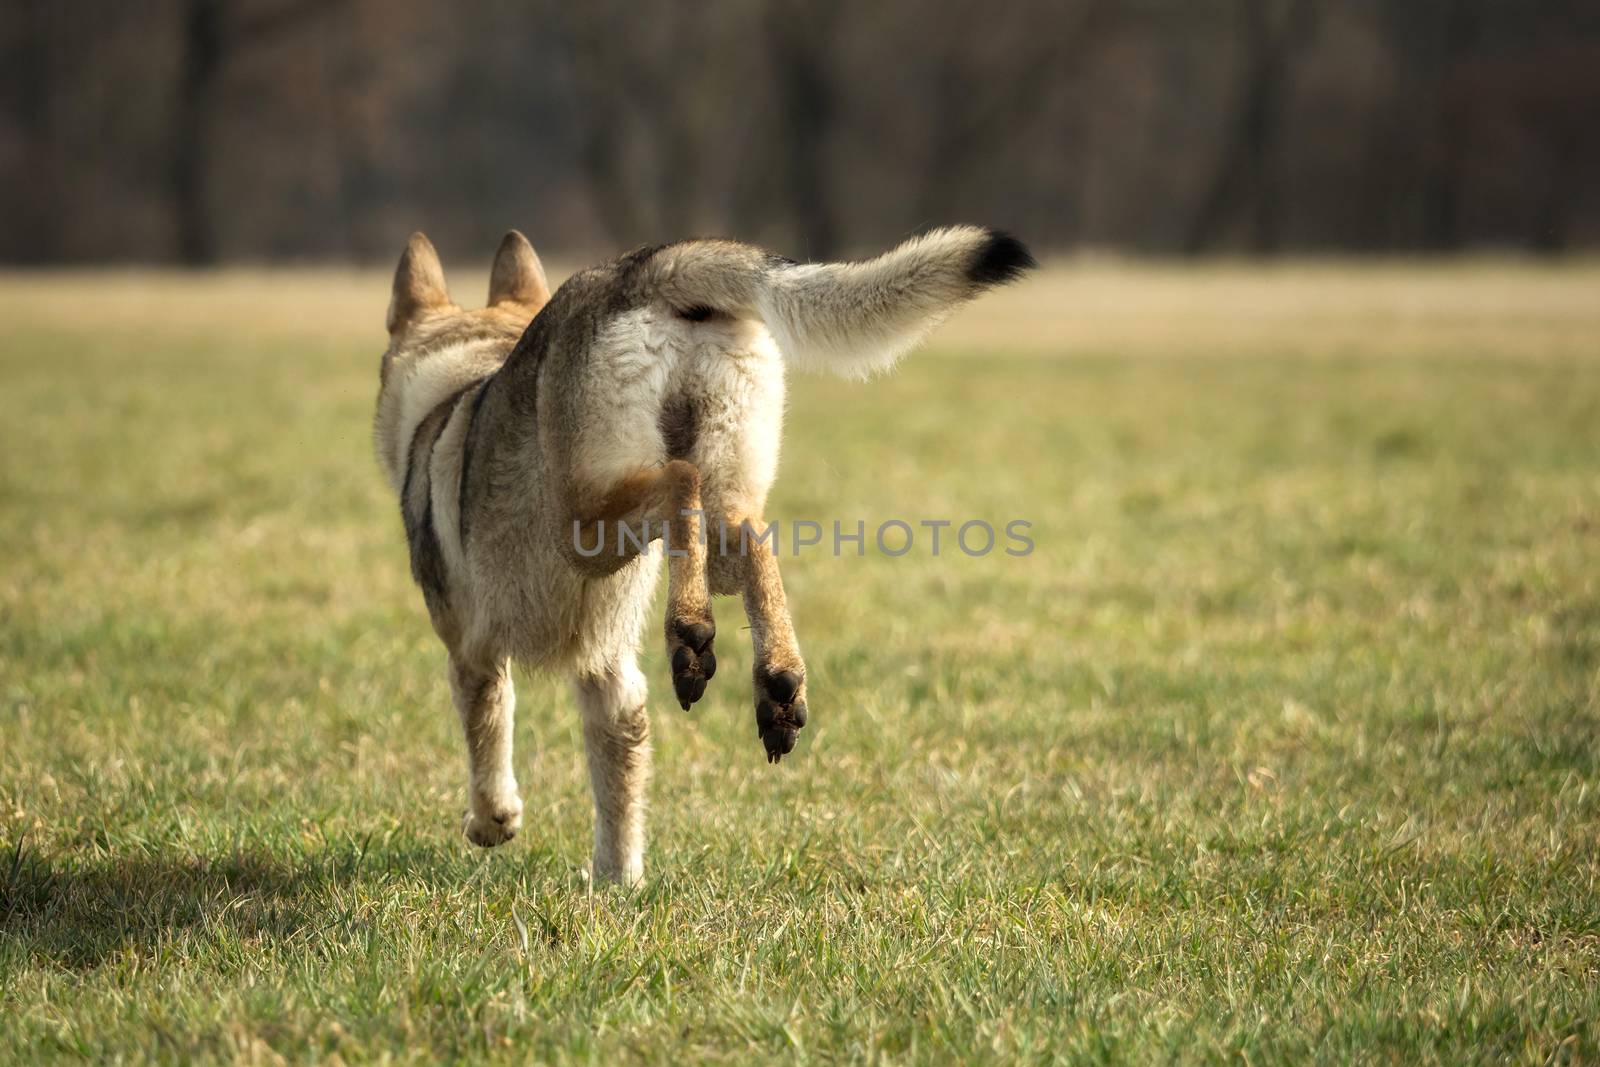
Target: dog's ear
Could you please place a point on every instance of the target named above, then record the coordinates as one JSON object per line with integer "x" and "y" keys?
{"x": 518, "y": 276}
{"x": 418, "y": 284}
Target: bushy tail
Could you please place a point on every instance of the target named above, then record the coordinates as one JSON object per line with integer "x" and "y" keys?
{"x": 851, "y": 319}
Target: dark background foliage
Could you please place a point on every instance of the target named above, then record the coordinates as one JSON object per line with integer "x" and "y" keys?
{"x": 200, "y": 131}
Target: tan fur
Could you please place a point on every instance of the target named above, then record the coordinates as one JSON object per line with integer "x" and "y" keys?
{"x": 648, "y": 390}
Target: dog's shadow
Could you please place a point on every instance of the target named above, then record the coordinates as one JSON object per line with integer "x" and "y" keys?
{"x": 81, "y": 912}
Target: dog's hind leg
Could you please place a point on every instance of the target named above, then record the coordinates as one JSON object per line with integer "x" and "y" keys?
{"x": 616, "y": 735}
{"x": 780, "y": 673}
{"x": 690, "y": 628}
{"x": 485, "y": 700}
{"x": 638, "y": 509}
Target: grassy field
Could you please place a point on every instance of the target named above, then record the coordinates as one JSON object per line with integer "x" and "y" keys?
{"x": 1282, "y": 745}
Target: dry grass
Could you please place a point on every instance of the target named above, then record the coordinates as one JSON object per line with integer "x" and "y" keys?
{"x": 1281, "y": 746}
{"x": 1485, "y": 307}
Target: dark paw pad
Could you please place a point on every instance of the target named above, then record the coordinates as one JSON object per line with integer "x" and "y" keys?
{"x": 780, "y": 711}
{"x": 697, "y": 635}
{"x": 783, "y": 685}
{"x": 693, "y": 661}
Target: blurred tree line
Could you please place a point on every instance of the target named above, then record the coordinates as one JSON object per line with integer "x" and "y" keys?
{"x": 200, "y": 131}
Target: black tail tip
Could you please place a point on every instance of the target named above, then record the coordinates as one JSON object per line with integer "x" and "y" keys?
{"x": 1001, "y": 259}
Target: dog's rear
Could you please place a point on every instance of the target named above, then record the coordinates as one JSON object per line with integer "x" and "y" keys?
{"x": 853, "y": 319}
{"x": 644, "y": 398}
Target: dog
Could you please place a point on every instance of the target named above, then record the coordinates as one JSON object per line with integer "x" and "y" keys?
{"x": 540, "y": 445}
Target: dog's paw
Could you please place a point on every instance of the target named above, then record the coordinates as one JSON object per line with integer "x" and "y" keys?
{"x": 780, "y": 710}
{"x": 693, "y": 661}
{"x": 494, "y": 822}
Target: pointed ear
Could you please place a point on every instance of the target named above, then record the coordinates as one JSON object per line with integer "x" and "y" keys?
{"x": 418, "y": 284}
{"x": 518, "y": 276}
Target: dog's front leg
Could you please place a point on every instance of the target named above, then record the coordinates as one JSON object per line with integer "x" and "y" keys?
{"x": 780, "y": 674}
{"x": 486, "y": 703}
{"x": 616, "y": 735}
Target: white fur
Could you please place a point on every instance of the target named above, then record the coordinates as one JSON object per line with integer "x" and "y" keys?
{"x": 728, "y": 370}
{"x": 616, "y": 731}
{"x": 858, "y": 319}
{"x": 423, "y": 383}
{"x": 628, "y": 370}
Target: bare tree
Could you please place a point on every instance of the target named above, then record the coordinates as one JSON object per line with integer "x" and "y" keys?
{"x": 650, "y": 86}
{"x": 31, "y": 71}
{"x": 977, "y": 103}
{"x": 809, "y": 125}
{"x": 799, "y": 34}
{"x": 214, "y": 31}
{"x": 1271, "y": 34}
{"x": 1550, "y": 96}
{"x": 1441, "y": 182}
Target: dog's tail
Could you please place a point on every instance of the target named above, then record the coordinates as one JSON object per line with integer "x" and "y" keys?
{"x": 851, "y": 319}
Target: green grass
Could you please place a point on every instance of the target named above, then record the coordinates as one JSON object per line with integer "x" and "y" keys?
{"x": 1282, "y": 745}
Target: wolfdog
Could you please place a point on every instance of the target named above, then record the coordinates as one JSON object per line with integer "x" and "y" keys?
{"x": 541, "y": 444}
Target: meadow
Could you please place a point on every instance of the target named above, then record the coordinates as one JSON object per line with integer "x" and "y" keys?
{"x": 1281, "y": 746}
